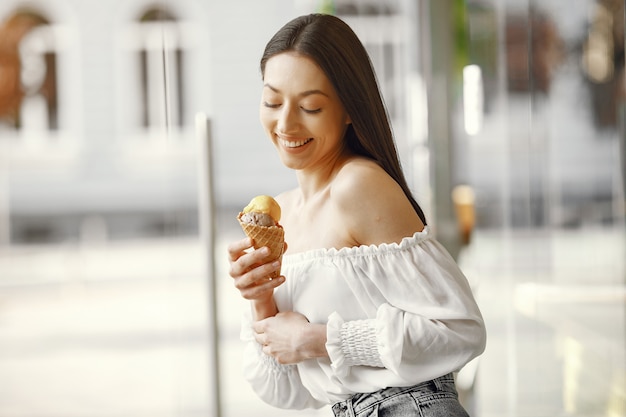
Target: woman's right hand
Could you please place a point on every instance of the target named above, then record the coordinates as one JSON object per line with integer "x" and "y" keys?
{"x": 250, "y": 271}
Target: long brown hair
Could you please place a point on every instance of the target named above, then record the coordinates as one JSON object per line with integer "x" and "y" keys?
{"x": 332, "y": 44}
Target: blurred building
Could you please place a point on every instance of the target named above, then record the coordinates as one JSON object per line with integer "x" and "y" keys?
{"x": 558, "y": 155}
{"x": 97, "y": 107}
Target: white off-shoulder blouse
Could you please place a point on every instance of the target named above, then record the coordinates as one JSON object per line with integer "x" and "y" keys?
{"x": 396, "y": 315}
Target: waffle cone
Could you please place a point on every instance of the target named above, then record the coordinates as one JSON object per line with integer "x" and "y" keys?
{"x": 273, "y": 237}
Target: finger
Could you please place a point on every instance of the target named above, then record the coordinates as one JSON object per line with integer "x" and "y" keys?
{"x": 267, "y": 350}
{"x": 260, "y": 338}
{"x": 236, "y": 249}
{"x": 249, "y": 273}
{"x": 247, "y": 261}
{"x": 259, "y": 290}
{"x": 260, "y": 326}
{"x": 263, "y": 273}
{"x": 257, "y": 257}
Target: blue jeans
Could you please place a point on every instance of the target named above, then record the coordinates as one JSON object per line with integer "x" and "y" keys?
{"x": 436, "y": 398}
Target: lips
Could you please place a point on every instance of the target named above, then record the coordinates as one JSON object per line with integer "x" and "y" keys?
{"x": 292, "y": 144}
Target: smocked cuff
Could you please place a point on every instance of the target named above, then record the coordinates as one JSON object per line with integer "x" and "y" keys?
{"x": 351, "y": 343}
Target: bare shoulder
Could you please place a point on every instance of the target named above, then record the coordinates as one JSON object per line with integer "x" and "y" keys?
{"x": 372, "y": 204}
{"x": 363, "y": 182}
{"x": 360, "y": 174}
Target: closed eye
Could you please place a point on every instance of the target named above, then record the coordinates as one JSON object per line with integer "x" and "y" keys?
{"x": 311, "y": 111}
{"x": 271, "y": 105}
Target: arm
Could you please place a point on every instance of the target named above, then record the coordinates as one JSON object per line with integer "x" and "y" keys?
{"x": 275, "y": 383}
{"x": 249, "y": 270}
{"x": 406, "y": 343}
{"x": 427, "y": 321}
{"x": 424, "y": 318}
{"x": 290, "y": 338}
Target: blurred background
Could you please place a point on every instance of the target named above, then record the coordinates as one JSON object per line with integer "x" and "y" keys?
{"x": 129, "y": 140}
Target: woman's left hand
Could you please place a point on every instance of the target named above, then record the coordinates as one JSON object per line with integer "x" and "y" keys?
{"x": 290, "y": 338}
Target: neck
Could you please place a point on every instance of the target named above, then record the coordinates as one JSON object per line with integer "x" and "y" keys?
{"x": 314, "y": 181}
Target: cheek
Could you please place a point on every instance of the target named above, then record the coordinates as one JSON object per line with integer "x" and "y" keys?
{"x": 265, "y": 118}
{"x": 336, "y": 127}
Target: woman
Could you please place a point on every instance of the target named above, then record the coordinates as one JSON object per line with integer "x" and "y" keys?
{"x": 370, "y": 311}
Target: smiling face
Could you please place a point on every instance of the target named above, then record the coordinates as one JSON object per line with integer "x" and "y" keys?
{"x": 301, "y": 112}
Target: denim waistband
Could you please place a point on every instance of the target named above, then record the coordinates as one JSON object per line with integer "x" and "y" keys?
{"x": 358, "y": 402}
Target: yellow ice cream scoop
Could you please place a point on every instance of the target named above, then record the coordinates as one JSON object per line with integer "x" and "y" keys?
{"x": 264, "y": 204}
{"x": 259, "y": 221}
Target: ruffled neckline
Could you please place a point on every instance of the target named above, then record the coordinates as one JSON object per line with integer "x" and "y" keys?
{"x": 357, "y": 251}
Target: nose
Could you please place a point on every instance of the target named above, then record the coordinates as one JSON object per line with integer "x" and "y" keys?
{"x": 287, "y": 119}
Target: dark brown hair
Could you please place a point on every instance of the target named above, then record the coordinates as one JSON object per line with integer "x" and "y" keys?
{"x": 332, "y": 44}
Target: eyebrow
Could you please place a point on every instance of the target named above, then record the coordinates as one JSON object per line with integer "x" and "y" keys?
{"x": 302, "y": 94}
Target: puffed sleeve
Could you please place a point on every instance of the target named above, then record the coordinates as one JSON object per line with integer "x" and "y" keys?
{"x": 276, "y": 384}
{"x": 424, "y": 322}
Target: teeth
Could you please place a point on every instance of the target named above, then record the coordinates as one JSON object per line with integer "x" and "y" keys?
{"x": 295, "y": 144}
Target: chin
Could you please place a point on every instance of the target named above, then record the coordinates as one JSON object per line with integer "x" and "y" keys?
{"x": 290, "y": 163}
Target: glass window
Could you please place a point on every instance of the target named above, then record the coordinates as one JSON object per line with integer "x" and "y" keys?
{"x": 28, "y": 65}
{"x": 160, "y": 58}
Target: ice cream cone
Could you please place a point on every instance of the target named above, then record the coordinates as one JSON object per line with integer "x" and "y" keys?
{"x": 273, "y": 237}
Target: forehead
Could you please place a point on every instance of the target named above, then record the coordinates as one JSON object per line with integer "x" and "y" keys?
{"x": 292, "y": 72}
